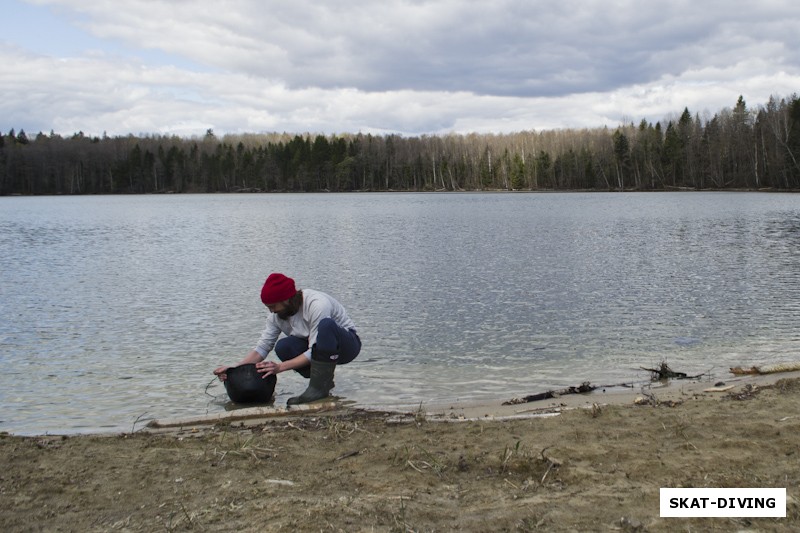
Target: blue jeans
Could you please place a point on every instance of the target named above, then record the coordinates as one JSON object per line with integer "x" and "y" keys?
{"x": 334, "y": 344}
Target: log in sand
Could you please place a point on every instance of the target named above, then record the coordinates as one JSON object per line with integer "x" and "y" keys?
{"x": 241, "y": 414}
{"x": 766, "y": 369}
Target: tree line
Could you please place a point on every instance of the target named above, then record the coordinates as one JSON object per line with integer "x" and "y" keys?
{"x": 736, "y": 148}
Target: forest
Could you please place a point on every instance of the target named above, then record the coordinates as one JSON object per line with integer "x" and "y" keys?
{"x": 736, "y": 148}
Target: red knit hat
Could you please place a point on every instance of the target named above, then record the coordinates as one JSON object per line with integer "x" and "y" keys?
{"x": 277, "y": 288}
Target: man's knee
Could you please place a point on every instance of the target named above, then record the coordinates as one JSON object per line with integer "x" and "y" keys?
{"x": 290, "y": 347}
{"x": 328, "y": 333}
{"x": 327, "y": 326}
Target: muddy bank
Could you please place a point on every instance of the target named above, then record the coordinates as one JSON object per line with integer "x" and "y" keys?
{"x": 593, "y": 469}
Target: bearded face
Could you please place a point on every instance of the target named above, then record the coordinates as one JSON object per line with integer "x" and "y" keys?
{"x": 285, "y": 313}
{"x": 288, "y": 308}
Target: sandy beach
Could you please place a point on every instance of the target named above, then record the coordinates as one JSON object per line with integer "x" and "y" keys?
{"x": 579, "y": 462}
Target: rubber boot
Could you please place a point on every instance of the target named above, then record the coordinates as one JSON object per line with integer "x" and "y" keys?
{"x": 320, "y": 385}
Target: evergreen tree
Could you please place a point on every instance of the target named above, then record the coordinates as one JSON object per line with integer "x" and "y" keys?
{"x": 622, "y": 157}
{"x": 793, "y": 143}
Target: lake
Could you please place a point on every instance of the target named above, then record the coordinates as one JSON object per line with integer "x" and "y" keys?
{"x": 115, "y": 309}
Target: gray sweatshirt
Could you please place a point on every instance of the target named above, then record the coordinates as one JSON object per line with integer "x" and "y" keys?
{"x": 316, "y": 306}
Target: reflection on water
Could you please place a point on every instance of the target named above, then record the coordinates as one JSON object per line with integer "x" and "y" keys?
{"x": 116, "y": 309}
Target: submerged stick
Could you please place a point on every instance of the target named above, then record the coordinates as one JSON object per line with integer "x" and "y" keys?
{"x": 665, "y": 372}
{"x": 582, "y": 388}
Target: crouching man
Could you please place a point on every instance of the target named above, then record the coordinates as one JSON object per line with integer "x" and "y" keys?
{"x": 318, "y": 336}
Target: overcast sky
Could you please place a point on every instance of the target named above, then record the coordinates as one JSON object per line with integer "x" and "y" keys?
{"x": 385, "y": 66}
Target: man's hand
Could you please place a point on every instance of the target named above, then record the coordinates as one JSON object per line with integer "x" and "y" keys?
{"x": 221, "y": 372}
{"x": 252, "y": 357}
{"x": 268, "y": 368}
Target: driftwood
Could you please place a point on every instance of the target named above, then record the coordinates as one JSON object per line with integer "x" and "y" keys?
{"x": 766, "y": 369}
{"x": 661, "y": 373}
{"x": 248, "y": 413}
{"x": 747, "y": 393}
{"x": 582, "y": 388}
{"x": 648, "y": 398}
{"x": 739, "y": 371}
{"x": 665, "y": 372}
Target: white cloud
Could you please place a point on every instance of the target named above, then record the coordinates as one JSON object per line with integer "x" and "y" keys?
{"x": 397, "y": 66}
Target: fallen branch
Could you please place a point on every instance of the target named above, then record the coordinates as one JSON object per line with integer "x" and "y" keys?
{"x": 665, "y": 372}
{"x": 766, "y": 369}
{"x": 552, "y": 463}
{"x": 582, "y": 388}
{"x": 248, "y": 413}
{"x": 348, "y": 454}
{"x": 747, "y": 393}
{"x": 739, "y": 371}
{"x": 650, "y": 399}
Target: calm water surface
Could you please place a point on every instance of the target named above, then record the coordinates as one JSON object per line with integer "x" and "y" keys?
{"x": 115, "y": 309}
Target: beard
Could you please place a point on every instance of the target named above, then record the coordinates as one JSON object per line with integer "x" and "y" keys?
{"x": 284, "y": 315}
{"x": 291, "y": 307}
{"x": 288, "y": 312}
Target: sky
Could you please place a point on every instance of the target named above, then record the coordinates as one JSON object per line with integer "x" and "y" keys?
{"x": 408, "y": 67}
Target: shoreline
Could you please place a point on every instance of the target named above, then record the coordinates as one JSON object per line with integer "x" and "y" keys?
{"x": 674, "y": 390}
{"x": 597, "y": 462}
{"x": 671, "y": 392}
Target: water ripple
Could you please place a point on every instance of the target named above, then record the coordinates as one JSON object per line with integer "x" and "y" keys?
{"x": 115, "y": 309}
